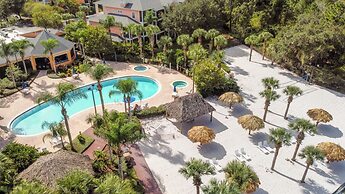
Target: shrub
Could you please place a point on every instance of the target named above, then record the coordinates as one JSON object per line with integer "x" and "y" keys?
{"x": 30, "y": 187}
{"x": 62, "y": 75}
{"x": 76, "y": 182}
{"x": 21, "y": 155}
{"x": 101, "y": 162}
{"x": 151, "y": 112}
{"x": 81, "y": 139}
{"x": 8, "y": 172}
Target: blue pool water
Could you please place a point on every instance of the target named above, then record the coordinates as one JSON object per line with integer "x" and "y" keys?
{"x": 140, "y": 68}
{"x": 179, "y": 84}
{"x": 29, "y": 123}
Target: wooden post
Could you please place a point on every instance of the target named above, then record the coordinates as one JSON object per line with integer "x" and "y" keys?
{"x": 33, "y": 63}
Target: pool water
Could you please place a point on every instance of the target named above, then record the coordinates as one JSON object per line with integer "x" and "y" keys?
{"x": 140, "y": 68}
{"x": 179, "y": 84}
{"x": 30, "y": 122}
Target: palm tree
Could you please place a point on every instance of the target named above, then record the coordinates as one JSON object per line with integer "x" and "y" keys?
{"x": 49, "y": 45}
{"x": 66, "y": 95}
{"x": 108, "y": 22}
{"x": 195, "y": 168}
{"x": 14, "y": 72}
{"x": 165, "y": 42}
{"x": 301, "y": 126}
{"x": 220, "y": 187}
{"x": 76, "y": 182}
{"x": 264, "y": 37}
{"x": 279, "y": 137}
{"x": 251, "y": 40}
{"x": 220, "y": 41}
{"x": 98, "y": 73}
{"x": 210, "y": 35}
{"x": 118, "y": 130}
{"x": 196, "y": 53}
{"x": 270, "y": 83}
{"x": 242, "y": 175}
{"x": 8, "y": 173}
{"x": 21, "y": 46}
{"x": 130, "y": 30}
{"x": 199, "y": 34}
{"x": 150, "y": 16}
{"x": 218, "y": 57}
{"x": 310, "y": 153}
{"x": 6, "y": 50}
{"x": 128, "y": 87}
{"x": 184, "y": 40}
{"x": 291, "y": 91}
{"x": 56, "y": 130}
{"x": 138, "y": 30}
{"x": 269, "y": 95}
{"x": 151, "y": 31}
{"x": 113, "y": 184}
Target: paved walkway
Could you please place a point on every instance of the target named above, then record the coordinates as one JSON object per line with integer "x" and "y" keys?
{"x": 98, "y": 144}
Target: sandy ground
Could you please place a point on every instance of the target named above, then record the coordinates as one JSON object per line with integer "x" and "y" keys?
{"x": 166, "y": 150}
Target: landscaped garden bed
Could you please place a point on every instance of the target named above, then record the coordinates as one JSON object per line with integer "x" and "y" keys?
{"x": 81, "y": 143}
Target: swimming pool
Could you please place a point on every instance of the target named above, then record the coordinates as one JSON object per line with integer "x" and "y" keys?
{"x": 179, "y": 84}
{"x": 29, "y": 122}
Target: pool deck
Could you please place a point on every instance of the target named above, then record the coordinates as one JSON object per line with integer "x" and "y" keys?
{"x": 13, "y": 105}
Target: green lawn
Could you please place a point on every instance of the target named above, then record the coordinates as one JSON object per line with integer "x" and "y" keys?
{"x": 81, "y": 146}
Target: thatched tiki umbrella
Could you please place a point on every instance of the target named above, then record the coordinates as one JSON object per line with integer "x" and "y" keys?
{"x": 319, "y": 115}
{"x": 201, "y": 134}
{"x": 230, "y": 98}
{"x": 333, "y": 152}
{"x": 251, "y": 122}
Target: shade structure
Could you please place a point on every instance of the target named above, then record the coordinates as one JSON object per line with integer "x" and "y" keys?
{"x": 230, "y": 98}
{"x": 201, "y": 134}
{"x": 319, "y": 115}
{"x": 333, "y": 152}
{"x": 251, "y": 122}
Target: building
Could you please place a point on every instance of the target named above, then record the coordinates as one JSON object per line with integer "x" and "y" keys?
{"x": 128, "y": 12}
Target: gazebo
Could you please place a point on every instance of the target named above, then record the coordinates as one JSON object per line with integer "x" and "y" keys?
{"x": 187, "y": 108}
{"x": 49, "y": 168}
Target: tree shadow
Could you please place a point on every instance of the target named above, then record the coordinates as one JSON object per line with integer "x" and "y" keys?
{"x": 240, "y": 110}
{"x": 118, "y": 66}
{"x": 6, "y": 101}
{"x": 256, "y": 137}
{"x": 311, "y": 187}
{"x": 239, "y": 70}
{"x": 291, "y": 76}
{"x": 212, "y": 150}
{"x": 274, "y": 125}
{"x": 329, "y": 131}
{"x": 237, "y": 51}
{"x": 260, "y": 191}
{"x": 338, "y": 170}
{"x": 283, "y": 175}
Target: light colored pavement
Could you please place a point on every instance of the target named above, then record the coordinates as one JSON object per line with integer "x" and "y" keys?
{"x": 15, "y": 104}
{"x": 166, "y": 150}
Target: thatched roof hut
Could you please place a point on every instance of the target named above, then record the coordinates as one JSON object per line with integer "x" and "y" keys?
{"x": 187, "y": 108}
{"x": 47, "y": 169}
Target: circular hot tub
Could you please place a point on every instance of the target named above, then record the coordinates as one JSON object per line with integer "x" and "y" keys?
{"x": 179, "y": 84}
{"x": 140, "y": 68}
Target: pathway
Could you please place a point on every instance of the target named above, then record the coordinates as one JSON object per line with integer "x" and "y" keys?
{"x": 98, "y": 144}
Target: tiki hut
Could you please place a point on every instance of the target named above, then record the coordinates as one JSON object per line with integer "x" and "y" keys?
{"x": 230, "y": 98}
{"x": 251, "y": 122}
{"x": 49, "y": 168}
{"x": 201, "y": 134}
{"x": 319, "y": 115}
{"x": 333, "y": 152}
{"x": 187, "y": 108}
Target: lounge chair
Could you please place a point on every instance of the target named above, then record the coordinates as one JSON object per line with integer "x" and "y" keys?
{"x": 239, "y": 156}
{"x": 216, "y": 165}
{"x": 262, "y": 148}
{"x": 293, "y": 140}
{"x": 245, "y": 155}
{"x": 268, "y": 147}
{"x": 26, "y": 91}
{"x": 75, "y": 76}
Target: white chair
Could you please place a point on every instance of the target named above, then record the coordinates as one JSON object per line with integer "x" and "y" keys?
{"x": 216, "y": 165}
{"x": 239, "y": 156}
{"x": 26, "y": 91}
{"x": 245, "y": 155}
{"x": 262, "y": 148}
{"x": 293, "y": 140}
{"x": 268, "y": 147}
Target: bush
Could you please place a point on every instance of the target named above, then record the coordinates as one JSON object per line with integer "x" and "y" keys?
{"x": 211, "y": 80}
{"x": 21, "y": 155}
{"x": 81, "y": 139}
{"x": 76, "y": 182}
{"x": 81, "y": 143}
{"x": 62, "y": 75}
{"x": 151, "y": 112}
{"x": 8, "y": 172}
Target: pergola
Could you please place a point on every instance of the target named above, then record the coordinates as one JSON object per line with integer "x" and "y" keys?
{"x": 187, "y": 108}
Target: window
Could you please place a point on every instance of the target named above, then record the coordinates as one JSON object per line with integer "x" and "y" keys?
{"x": 119, "y": 11}
{"x": 133, "y": 15}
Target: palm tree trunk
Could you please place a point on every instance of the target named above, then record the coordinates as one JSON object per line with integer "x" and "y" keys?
{"x": 141, "y": 46}
{"x": 275, "y": 158}
{"x": 305, "y": 173}
{"x": 62, "y": 143}
{"x": 24, "y": 65}
{"x": 99, "y": 87}
{"x": 129, "y": 106}
{"x": 124, "y": 101}
{"x": 295, "y": 152}
{"x": 317, "y": 123}
{"x": 197, "y": 189}
{"x": 193, "y": 79}
{"x": 250, "y": 54}
{"x": 152, "y": 45}
{"x": 64, "y": 113}
{"x": 249, "y": 131}
{"x": 267, "y": 103}
{"x": 263, "y": 50}
{"x": 211, "y": 45}
{"x": 200, "y": 40}
{"x": 120, "y": 161}
{"x": 185, "y": 57}
{"x": 287, "y": 109}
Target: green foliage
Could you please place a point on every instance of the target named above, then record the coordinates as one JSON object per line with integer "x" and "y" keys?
{"x": 31, "y": 187}
{"x": 76, "y": 182}
{"x": 150, "y": 16}
{"x": 211, "y": 80}
{"x": 69, "y": 6}
{"x": 71, "y": 30}
{"x": 151, "y": 112}
{"x": 311, "y": 153}
{"x": 220, "y": 187}
{"x": 112, "y": 184}
{"x": 49, "y": 45}
{"x": 303, "y": 125}
{"x": 5, "y": 83}
{"x": 280, "y": 137}
{"x": 101, "y": 162}
{"x": 98, "y": 72}
{"x": 47, "y": 19}
{"x": 196, "y": 53}
{"x": 270, "y": 83}
{"x": 8, "y": 172}
{"x": 21, "y": 155}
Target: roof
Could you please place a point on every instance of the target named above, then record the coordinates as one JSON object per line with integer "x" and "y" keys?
{"x": 124, "y": 20}
{"x": 187, "y": 108}
{"x": 139, "y": 5}
{"x": 49, "y": 168}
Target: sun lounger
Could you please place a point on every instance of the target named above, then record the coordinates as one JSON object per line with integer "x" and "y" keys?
{"x": 42, "y": 149}
{"x": 216, "y": 165}
{"x": 26, "y": 91}
{"x": 239, "y": 156}
{"x": 293, "y": 140}
{"x": 75, "y": 76}
{"x": 268, "y": 147}
{"x": 262, "y": 148}
{"x": 56, "y": 141}
{"x": 245, "y": 155}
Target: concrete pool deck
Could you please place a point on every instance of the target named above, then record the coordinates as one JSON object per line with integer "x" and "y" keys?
{"x": 13, "y": 105}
